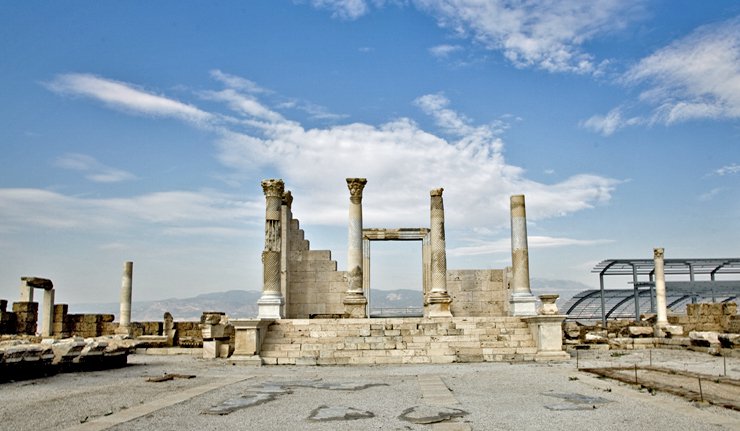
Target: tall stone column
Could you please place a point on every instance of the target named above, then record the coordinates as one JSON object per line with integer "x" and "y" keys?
{"x": 355, "y": 302}
{"x": 124, "y": 324}
{"x": 438, "y": 300}
{"x": 522, "y": 302}
{"x": 47, "y": 314}
{"x": 660, "y": 286}
{"x": 271, "y": 302}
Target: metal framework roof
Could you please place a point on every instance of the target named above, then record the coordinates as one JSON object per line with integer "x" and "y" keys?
{"x": 646, "y": 267}
{"x": 672, "y": 266}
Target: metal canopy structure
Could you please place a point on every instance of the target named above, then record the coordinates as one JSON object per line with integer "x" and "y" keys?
{"x": 646, "y": 267}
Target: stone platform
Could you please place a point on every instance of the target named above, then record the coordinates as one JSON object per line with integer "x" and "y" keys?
{"x": 397, "y": 341}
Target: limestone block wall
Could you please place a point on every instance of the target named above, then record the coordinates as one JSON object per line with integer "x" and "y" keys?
{"x": 314, "y": 286}
{"x": 26, "y": 315}
{"x": 476, "y": 293}
{"x": 7, "y": 318}
{"x": 90, "y": 325}
{"x": 719, "y": 317}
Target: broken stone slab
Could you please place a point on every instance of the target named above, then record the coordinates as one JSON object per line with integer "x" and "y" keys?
{"x": 729, "y": 341}
{"x": 704, "y": 338}
{"x": 596, "y": 337}
{"x": 572, "y": 330}
{"x": 430, "y": 414}
{"x": 66, "y": 350}
{"x": 640, "y": 331}
{"x": 38, "y": 282}
{"x": 234, "y": 404}
{"x": 339, "y": 413}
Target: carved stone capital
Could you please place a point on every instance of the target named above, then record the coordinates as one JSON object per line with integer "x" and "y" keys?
{"x": 273, "y": 188}
{"x": 436, "y": 192}
{"x": 355, "y": 186}
{"x": 658, "y": 253}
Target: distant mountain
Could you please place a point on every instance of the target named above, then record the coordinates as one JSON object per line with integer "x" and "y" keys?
{"x": 235, "y": 303}
{"x": 243, "y": 303}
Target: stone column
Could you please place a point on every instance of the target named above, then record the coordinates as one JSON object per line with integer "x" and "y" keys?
{"x": 522, "y": 302}
{"x": 271, "y": 302}
{"x": 26, "y": 290}
{"x": 124, "y": 324}
{"x": 438, "y": 300}
{"x": 47, "y": 314}
{"x": 355, "y": 303}
{"x": 286, "y": 220}
{"x": 660, "y": 286}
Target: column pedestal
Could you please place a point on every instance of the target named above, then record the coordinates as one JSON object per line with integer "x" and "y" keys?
{"x": 548, "y": 335}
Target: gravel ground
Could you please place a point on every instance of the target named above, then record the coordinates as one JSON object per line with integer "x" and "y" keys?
{"x": 497, "y": 396}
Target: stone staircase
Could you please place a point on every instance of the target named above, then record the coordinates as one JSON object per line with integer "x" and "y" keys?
{"x": 397, "y": 341}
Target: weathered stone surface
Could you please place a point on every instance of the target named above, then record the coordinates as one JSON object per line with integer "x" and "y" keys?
{"x": 640, "y": 331}
{"x": 574, "y": 401}
{"x": 729, "y": 341}
{"x": 38, "y": 282}
{"x": 572, "y": 330}
{"x": 596, "y": 337}
{"x": 338, "y": 413}
{"x": 703, "y": 338}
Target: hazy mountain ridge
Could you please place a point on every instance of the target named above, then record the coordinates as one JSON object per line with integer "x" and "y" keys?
{"x": 243, "y": 303}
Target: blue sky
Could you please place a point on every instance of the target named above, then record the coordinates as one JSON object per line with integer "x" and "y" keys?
{"x": 140, "y": 131}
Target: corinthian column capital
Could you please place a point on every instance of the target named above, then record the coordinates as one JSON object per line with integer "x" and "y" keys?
{"x": 658, "y": 253}
{"x": 273, "y": 188}
{"x": 355, "y": 186}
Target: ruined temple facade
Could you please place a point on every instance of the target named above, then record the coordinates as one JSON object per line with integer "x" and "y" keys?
{"x": 300, "y": 283}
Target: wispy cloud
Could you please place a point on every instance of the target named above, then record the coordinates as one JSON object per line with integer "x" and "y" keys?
{"x": 401, "y": 160}
{"x": 730, "y": 169}
{"x": 534, "y": 242}
{"x": 444, "y": 51}
{"x": 125, "y": 96}
{"x": 94, "y": 170}
{"x": 694, "y": 78}
{"x": 704, "y": 197}
{"x": 545, "y": 35}
{"x": 343, "y": 9}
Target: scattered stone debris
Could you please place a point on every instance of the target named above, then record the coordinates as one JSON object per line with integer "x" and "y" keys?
{"x": 430, "y": 414}
{"x": 575, "y": 401}
{"x": 166, "y": 377}
{"x": 339, "y": 413}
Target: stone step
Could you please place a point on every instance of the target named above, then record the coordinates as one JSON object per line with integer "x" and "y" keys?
{"x": 397, "y": 340}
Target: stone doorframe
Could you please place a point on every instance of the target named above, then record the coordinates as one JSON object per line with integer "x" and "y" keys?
{"x": 400, "y": 234}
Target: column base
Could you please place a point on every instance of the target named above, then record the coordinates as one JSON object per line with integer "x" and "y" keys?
{"x": 270, "y": 307}
{"x": 522, "y": 304}
{"x": 355, "y": 306}
{"x": 123, "y": 330}
{"x": 438, "y": 305}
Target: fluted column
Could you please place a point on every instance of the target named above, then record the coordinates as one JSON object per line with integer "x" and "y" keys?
{"x": 660, "y": 286}
{"x": 522, "y": 302}
{"x": 124, "y": 324}
{"x": 355, "y": 303}
{"x": 438, "y": 301}
{"x": 271, "y": 301}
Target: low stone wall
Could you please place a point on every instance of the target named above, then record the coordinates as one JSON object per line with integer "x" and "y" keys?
{"x": 89, "y": 325}
{"x": 718, "y": 317}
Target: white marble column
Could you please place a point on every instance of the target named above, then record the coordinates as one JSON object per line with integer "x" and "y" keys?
{"x": 124, "y": 324}
{"x": 660, "y": 286}
{"x": 26, "y": 290}
{"x": 438, "y": 301}
{"x": 47, "y": 314}
{"x": 355, "y": 303}
{"x": 522, "y": 302}
{"x": 271, "y": 302}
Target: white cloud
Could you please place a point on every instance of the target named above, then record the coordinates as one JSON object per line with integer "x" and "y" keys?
{"x": 534, "y": 242}
{"x": 95, "y": 171}
{"x": 401, "y": 161}
{"x": 696, "y": 77}
{"x": 238, "y": 82}
{"x": 547, "y": 35}
{"x": 344, "y": 9}
{"x": 730, "y": 169}
{"x": 125, "y": 96}
{"x": 444, "y": 51}
{"x": 710, "y": 194}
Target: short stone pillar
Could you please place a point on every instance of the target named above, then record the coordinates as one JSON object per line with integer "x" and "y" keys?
{"x": 521, "y": 302}
{"x": 217, "y": 333}
{"x": 438, "y": 299}
{"x": 168, "y": 329}
{"x": 270, "y": 305}
{"x": 47, "y": 308}
{"x": 124, "y": 320}
{"x": 248, "y": 338}
{"x": 662, "y": 327}
{"x": 355, "y": 302}
{"x": 547, "y": 330}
